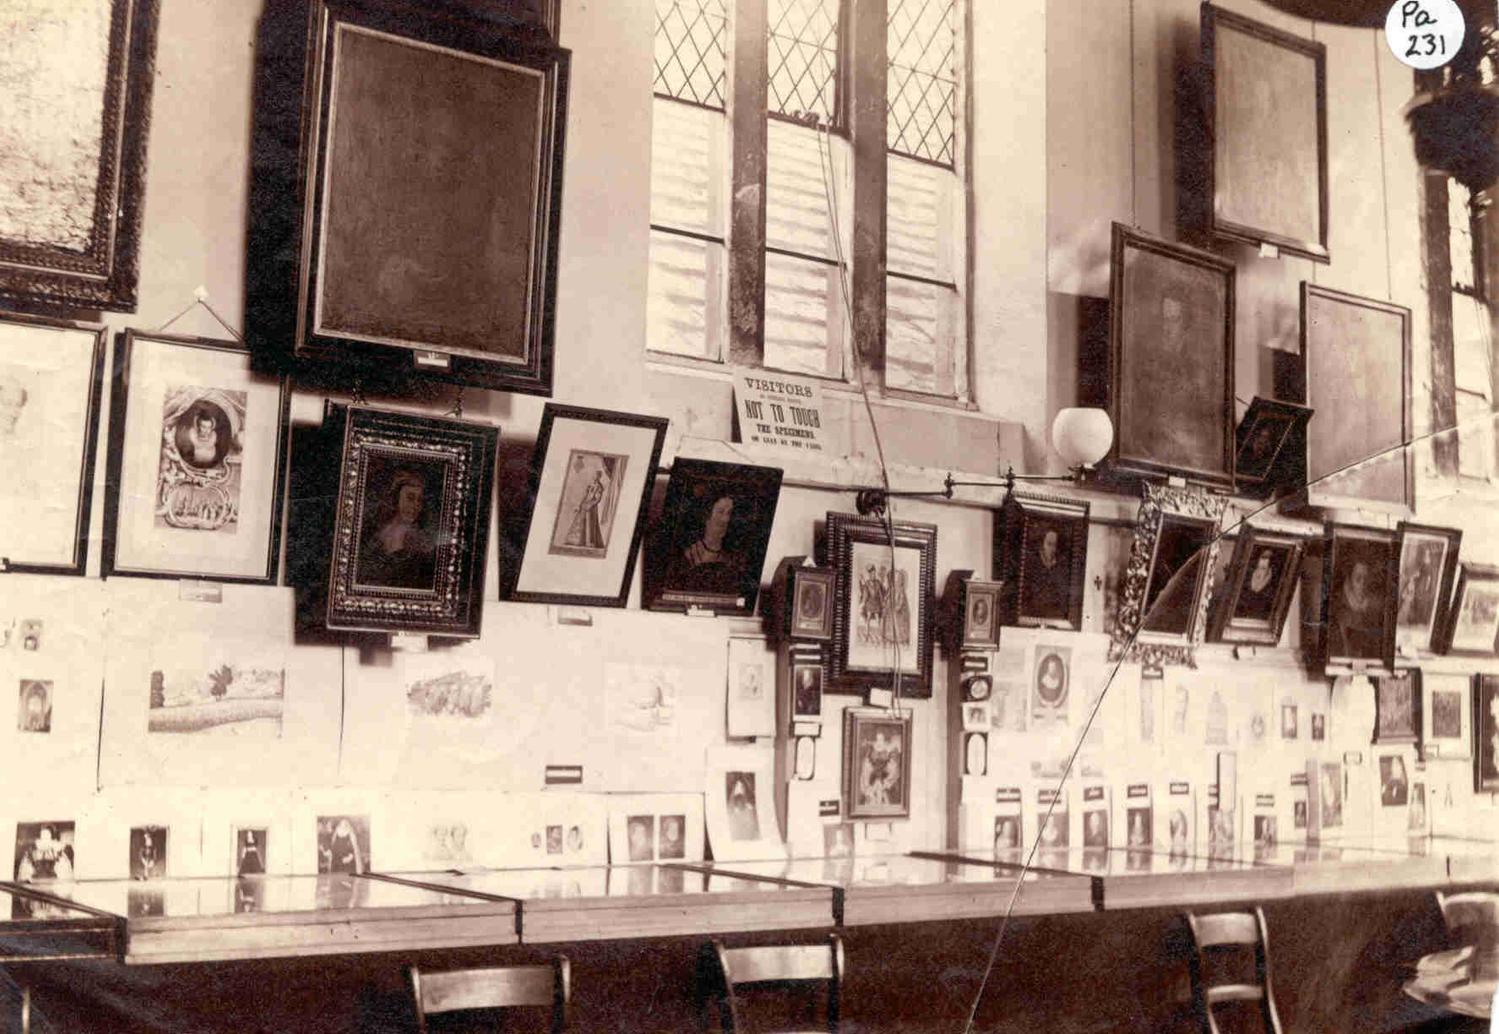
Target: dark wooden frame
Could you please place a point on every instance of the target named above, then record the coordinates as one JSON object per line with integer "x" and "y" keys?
{"x": 1121, "y": 458}
{"x": 969, "y": 591}
{"x": 1333, "y": 534}
{"x": 1470, "y": 573}
{"x": 1480, "y": 782}
{"x": 1414, "y": 737}
{"x": 106, "y": 273}
{"x": 1445, "y": 578}
{"x": 1327, "y": 416}
{"x": 744, "y": 481}
{"x": 1010, "y": 527}
{"x": 852, "y": 719}
{"x": 1444, "y": 748}
{"x": 843, "y": 530}
{"x": 1214, "y": 18}
{"x": 119, "y": 406}
{"x": 1225, "y": 628}
{"x": 456, "y": 603}
{"x": 392, "y": 359}
{"x": 76, "y": 566}
{"x": 552, "y": 412}
{"x": 798, "y": 578}
{"x": 1278, "y": 472}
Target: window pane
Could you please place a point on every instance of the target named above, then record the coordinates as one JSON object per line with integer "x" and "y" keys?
{"x": 1471, "y": 349}
{"x": 922, "y": 44}
{"x": 1475, "y": 436}
{"x": 919, "y": 336}
{"x": 1460, "y": 236}
{"x": 687, "y": 167}
{"x": 803, "y": 318}
{"x": 920, "y": 231}
{"x": 802, "y": 50}
{"x": 684, "y": 296}
{"x": 691, "y": 49}
{"x": 801, "y": 172}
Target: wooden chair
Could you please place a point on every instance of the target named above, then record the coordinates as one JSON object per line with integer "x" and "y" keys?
{"x": 777, "y": 965}
{"x": 498, "y": 987}
{"x": 1473, "y": 920}
{"x": 1228, "y": 930}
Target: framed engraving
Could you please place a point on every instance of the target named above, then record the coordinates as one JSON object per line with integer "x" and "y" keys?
{"x": 1263, "y": 576}
{"x": 1473, "y": 620}
{"x": 809, "y": 599}
{"x": 1428, "y": 566}
{"x": 876, "y": 764}
{"x": 1358, "y": 597}
{"x": 1040, "y": 556}
{"x": 1446, "y": 715}
{"x": 979, "y": 605}
{"x": 197, "y": 464}
{"x": 1397, "y": 708}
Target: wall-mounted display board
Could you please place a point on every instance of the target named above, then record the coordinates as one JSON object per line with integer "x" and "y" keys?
{"x": 1171, "y": 359}
{"x": 77, "y": 114}
{"x": 1267, "y": 107}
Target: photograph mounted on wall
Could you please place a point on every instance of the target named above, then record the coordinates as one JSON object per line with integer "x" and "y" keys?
{"x": 197, "y": 464}
{"x": 221, "y": 700}
{"x": 1446, "y": 715}
{"x": 44, "y": 851}
{"x": 411, "y": 528}
{"x": 1486, "y": 733}
{"x": 1397, "y": 708}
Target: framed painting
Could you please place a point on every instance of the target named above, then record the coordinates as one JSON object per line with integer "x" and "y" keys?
{"x": 197, "y": 464}
{"x": 443, "y": 267}
{"x": 809, "y": 603}
{"x": 1171, "y": 360}
{"x": 1040, "y": 555}
{"x": 1486, "y": 733}
{"x": 1359, "y": 570}
{"x": 590, "y": 479}
{"x": 707, "y": 549}
{"x": 977, "y": 614}
{"x": 1446, "y": 721}
{"x": 1266, "y": 443}
{"x": 1473, "y": 619}
{"x": 51, "y": 377}
{"x": 1356, "y": 374}
{"x": 1397, "y": 708}
{"x": 1169, "y": 581}
{"x": 1428, "y": 565}
{"x": 876, "y": 764}
{"x": 1267, "y": 108}
{"x": 1263, "y": 575}
{"x": 882, "y": 627}
{"x": 78, "y": 112}
{"x": 411, "y": 527}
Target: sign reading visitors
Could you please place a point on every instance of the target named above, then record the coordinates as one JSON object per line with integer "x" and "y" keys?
{"x": 785, "y": 412}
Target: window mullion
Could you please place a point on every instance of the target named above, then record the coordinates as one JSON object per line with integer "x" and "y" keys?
{"x": 749, "y": 64}
{"x": 867, "y": 120}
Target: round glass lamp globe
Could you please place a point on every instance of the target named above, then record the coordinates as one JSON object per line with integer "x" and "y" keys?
{"x": 1082, "y": 436}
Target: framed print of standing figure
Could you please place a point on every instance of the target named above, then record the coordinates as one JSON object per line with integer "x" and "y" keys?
{"x": 1263, "y": 577}
{"x": 1397, "y": 708}
{"x": 51, "y": 377}
{"x": 1428, "y": 562}
{"x": 1473, "y": 620}
{"x": 1359, "y": 597}
{"x": 591, "y": 475}
{"x": 197, "y": 462}
{"x": 877, "y": 764}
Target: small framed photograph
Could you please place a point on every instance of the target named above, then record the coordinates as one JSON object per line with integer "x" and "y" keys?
{"x": 1289, "y": 721}
{"x": 707, "y": 549}
{"x": 1446, "y": 716}
{"x": 51, "y": 376}
{"x": 1428, "y": 566}
{"x": 251, "y": 850}
{"x": 590, "y": 478}
{"x": 809, "y": 602}
{"x": 44, "y": 851}
{"x": 1397, "y": 708}
{"x": 979, "y": 604}
{"x": 1040, "y": 556}
{"x": 343, "y": 844}
{"x": 197, "y": 465}
{"x": 975, "y": 716}
{"x": 882, "y": 630}
{"x": 806, "y": 690}
{"x": 1171, "y": 344}
{"x": 1473, "y": 621}
{"x": 148, "y": 852}
{"x": 1319, "y": 726}
{"x": 412, "y": 522}
{"x": 655, "y": 828}
{"x": 36, "y": 706}
{"x": 1485, "y": 733}
{"x": 1394, "y": 782}
{"x": 978, "y": 687}
{"x": 1266, "y": 444}
{"x": 1263, "y": 576}
{"x": 1358, "y": 596}
{"x": 1268, "y": 126}
{"x": 876, "y": 764}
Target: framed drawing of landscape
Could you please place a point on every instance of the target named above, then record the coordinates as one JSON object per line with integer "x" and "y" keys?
{"x": 1171, "y": 360}
{"x": 197, "y": 462}
{"x": 51, "y": 376}
{"x": 1268, "y": 122}
{"x": 446, "y": 266}
{"x": 78, "y": 78}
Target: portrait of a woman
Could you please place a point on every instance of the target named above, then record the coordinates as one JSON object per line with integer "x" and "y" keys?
{"x": 399, "y": 549}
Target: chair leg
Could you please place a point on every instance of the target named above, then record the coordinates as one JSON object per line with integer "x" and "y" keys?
{"x": 25, "y": 1010}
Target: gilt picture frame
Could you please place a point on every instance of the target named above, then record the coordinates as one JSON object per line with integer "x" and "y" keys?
{"x": 1263, "y": 575}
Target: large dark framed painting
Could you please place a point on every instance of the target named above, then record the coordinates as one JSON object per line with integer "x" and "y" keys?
{"x": 1267, "y": 107}
{"x": 1359, "y": 571}
{"x": 51, "y": 378}
{"x": 78, "y": 79}
{"x": 1356, "y": 362}
{"x": 1266, "y": 444}
{"x": 1486, "y": 733}
{"x": 1263, "y": 576}
{"x": 411, "y": 528}
{"x": 197, "y": 463}
{"x": 431, "y": 195}
{"x": 1472, "y": 626}
{"x": 883, "y": 609}
{"x": 1169, "y": 581}
{"x": 591, "y": 476}
{"x": 1171, "y": 360}
{"x": 1040, "y": 555}
{"x": 1428, "y": 567}
{"x": 708, "y": 547}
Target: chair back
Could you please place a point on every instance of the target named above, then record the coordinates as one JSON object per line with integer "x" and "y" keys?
{"x": 782, "y": 964}
{"x": 1226, "y": 931}
{"x": 495, "y": 987}
{"x": 1473, "y": 920}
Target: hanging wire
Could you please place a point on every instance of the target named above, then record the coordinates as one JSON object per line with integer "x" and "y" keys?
{"x": 202, "y": 299}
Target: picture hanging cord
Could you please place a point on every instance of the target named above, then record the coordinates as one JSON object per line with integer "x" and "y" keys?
{"x": 200, "y": 297}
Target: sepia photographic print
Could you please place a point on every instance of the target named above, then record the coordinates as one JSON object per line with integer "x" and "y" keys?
{"x": 883, "y": 631}
{"x": 1394, "y": 785}
{"x": 806, "y": 685}
{"x": 1428, "y": 564}
{"x": 981, "y": 610}
{"x": 35, "y": 713}
{"x": 148, "y": 852}
{"x": 1397, "y": 708}
{"x": 251, "y": 845}
{"x": 1051, "y": 684}
{"x": 44, "y": 851}
{"x": 742, "y": 805}
{"x": 877, "y": 765}
{"x": 642, "y": 837}
{"x": 810, "y": 592}
{"x": 343, "y": 844}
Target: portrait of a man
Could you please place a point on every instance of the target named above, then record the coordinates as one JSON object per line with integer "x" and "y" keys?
{"x": 1394, "y": 788}
{"x": 1356, "y": 608}
{"x": 1006, "y": 833}
{"x": 739, "y": 795}
{"x": 398, "y": 544}
{"x": 1050, "y": 686}
{"x": 641, "y": 833}
{"x": 673, "y": 837}
{"x": 812, "y": 614}
{"x": 36, "y": 706}
{"x": 1256, "y": 456}
{"x": 1096, "y": 828}
{"x": 1046, "y": 569}
{"x": 808, "y": 690}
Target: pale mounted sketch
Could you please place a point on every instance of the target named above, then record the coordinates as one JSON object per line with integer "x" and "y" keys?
{"x": 458, "y": 694}
{"x": 223, "y": 699}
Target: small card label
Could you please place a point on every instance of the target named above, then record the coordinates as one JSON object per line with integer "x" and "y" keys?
{"x": 408, "y": 642}
{"x": 1138, "y": 790}
{"x": 829, "y": 809}
{"x": 1268, "y": 250}
{"x": 1264, "y": 800}
{"x": 1180, "y": 789}
{"x": 564, "y": 775}
{"x": 1007, "y": 795}
{"x": 803, "y": 727}
{"x": 433, "y": 360}
{"x": 1092, "y": 793}
{"x": 191, "y": 590}
{"x": 881, "y": 698}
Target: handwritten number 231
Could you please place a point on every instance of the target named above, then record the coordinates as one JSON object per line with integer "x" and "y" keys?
{"x": 1434, "y": 45}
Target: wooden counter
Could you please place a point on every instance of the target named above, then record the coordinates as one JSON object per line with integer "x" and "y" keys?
{"x": 36, "y": 927}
